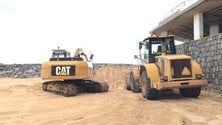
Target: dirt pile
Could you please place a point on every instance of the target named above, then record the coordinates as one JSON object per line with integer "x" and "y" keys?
{"x": 113, "y": 75}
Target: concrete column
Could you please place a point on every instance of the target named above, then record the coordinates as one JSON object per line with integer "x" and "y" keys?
{"x": 214, "y": 29}
{"x": 198, "y": 26}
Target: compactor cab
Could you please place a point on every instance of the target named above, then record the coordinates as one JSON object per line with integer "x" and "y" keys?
{"x": 160, "y": 68}
{"x": 154, "y": 46}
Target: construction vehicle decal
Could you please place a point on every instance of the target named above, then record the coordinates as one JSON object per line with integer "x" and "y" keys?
{"x": 63, "y": 70}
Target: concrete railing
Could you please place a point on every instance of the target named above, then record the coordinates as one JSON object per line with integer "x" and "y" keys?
{"x": 180, "y": 7}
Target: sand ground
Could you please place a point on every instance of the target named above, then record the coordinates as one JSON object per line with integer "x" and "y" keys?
{"x": 22, "y": 102}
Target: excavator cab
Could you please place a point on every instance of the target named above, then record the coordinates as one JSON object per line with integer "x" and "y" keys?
{"x": 151, "y": 47}
{"x": 64, "y": 55}
{"x": 60, "y": 55}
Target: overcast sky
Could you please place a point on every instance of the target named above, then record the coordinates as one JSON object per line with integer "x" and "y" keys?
{"x": 110, "y": 29}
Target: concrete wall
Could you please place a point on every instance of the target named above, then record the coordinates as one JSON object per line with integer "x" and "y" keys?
{"x": 208, "y": 53}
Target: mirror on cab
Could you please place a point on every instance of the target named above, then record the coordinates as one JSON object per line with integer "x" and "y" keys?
{"x": 91, "y": 57}
{"x": 140, "y": 45}
{"x": 136, "y": 57}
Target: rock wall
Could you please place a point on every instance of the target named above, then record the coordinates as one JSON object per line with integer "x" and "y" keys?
{"x": 20, "y": 70}
{"x": 208, "y": 53}
{"x": 33, "y": 70}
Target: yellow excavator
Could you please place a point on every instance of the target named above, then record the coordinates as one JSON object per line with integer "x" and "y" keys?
{"x": 70, "y": 75}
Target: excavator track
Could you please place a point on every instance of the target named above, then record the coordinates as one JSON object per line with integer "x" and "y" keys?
{"x": 60, "y": 87}
{"x": 72, "y": 87}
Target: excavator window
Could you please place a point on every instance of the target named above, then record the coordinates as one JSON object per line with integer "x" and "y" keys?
{"x": 60, "y": 55}
{"x": 64, "y": 54}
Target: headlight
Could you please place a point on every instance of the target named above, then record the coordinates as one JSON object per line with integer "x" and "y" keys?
{"x": 164, "y": 79}
{"x": 198, "y": 76}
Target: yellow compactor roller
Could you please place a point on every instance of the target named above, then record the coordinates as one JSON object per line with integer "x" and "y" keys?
{"x": 70, "y": 75}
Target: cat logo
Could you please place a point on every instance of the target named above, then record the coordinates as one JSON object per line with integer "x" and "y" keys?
{"x": 63, "y": 70}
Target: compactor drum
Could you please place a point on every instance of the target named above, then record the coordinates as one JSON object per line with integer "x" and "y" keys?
{"x": 160, "y": 69}
{"x": 70, "y": 75}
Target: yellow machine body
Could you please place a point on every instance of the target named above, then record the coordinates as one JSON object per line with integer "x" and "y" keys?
{"x": 67, "y": 70}
{"x": 70, "y": 75}
{"x": 160, "y": 68}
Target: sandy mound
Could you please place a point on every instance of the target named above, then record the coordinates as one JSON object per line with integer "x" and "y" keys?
{"x": 113, "y": 75}
{"x": 23, "y": 102}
